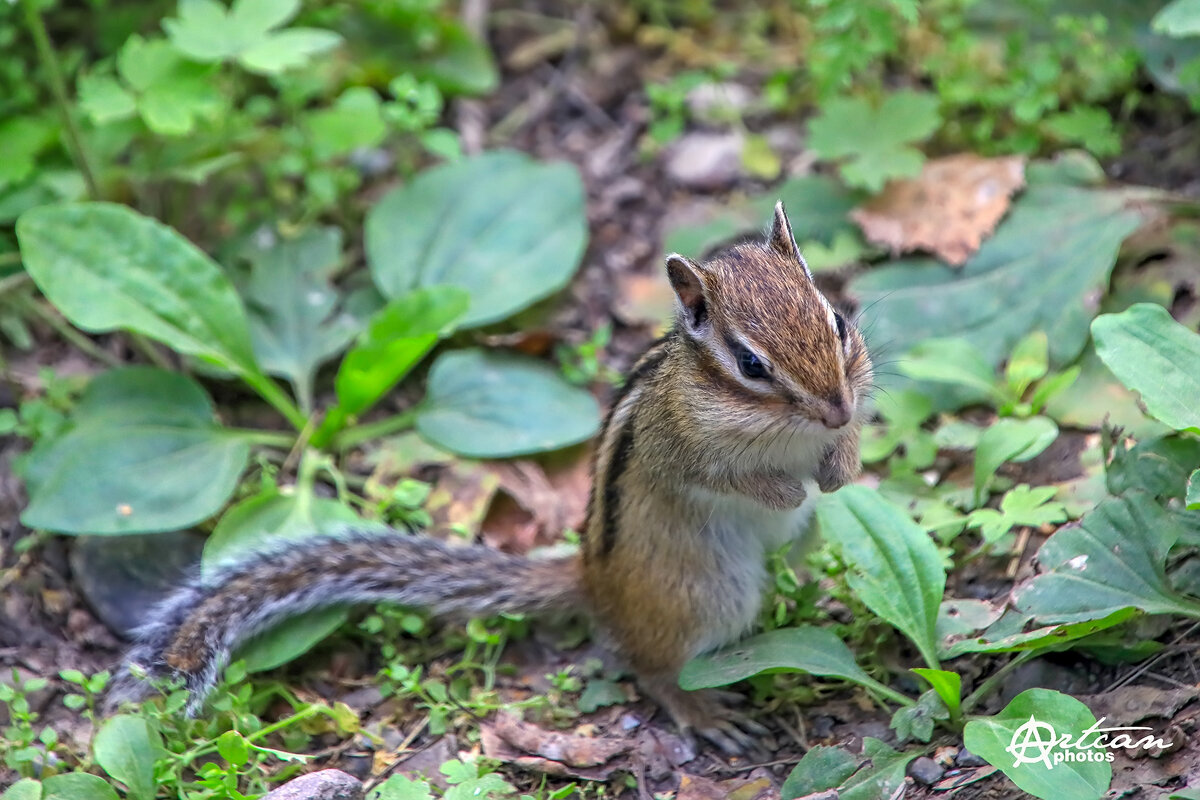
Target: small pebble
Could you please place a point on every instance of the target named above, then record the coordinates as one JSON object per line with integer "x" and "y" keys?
{"x": 706, "y": 161}
{"x": 925, "y": 770}
{"x": 966, "y": 758}
{"x": 328, "y": 784}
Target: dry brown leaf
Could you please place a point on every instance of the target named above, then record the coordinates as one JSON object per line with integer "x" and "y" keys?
{"x": 536, "y": 504}
{"x": 694, "y": 787}
{"x": 948, "y": 209}
{"x": 521, "y": 744}
{"x": 461, "y": 497}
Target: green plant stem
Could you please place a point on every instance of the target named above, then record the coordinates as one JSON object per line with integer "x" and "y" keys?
{"x": 896, "y": 697}
{"x": 282, "y": 441}
{"x": 186, "y": 758}
{"x": 270, "y": 391}
{"x": 356, "y": 435}
{"x": 49, "y": 59}
{"x": 990, "y": 685}
{"x": 148, "y": 349}
{"x": 66, "y": 331}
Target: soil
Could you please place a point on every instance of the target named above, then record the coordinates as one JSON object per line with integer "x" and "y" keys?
{"x": 584, "y": 104}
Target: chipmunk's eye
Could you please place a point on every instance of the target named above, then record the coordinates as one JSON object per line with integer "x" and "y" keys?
{"x": 751, "y": 365}
{"x": 841, "y": 326}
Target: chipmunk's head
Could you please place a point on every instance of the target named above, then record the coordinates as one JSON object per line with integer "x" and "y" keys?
{"x": 764, "y": 335}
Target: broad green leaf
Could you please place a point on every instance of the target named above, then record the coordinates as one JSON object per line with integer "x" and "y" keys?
{"x": 397, "y": 337}
{"x": 1097, "y": 397}
{"x": 259, "y": 520}
{"x": 1193, "y": 490}
{"x": 1178, "y": 18}
{"x": 814, "y": 650}
{"x": 1155, "y": 356}
{"x": 1055, "y": 249}
{"x": 1089, "y": 127}
{"x": 26, "y": 789}
{"x": 875, "y": 143}
{"x": 1009, "y": 634}
{"x": 1010, "y": 440}
{"x": 126, "y": 748}
{"x": 508, "y": 246}
{"x": 144, "y": 455}
{"x": 296, "y": 323}
{"x": 77, "y": 786}
{"x": 1112, "y": 560}
{"x": 821, "y": 769}
{"x": 882, "y": 775}
{"x": 948, "y": 686}
{"x": 1159, "y": 466}
{"x": 1020, "y": 742}
{"x": 485, "y": 404}
{"x": 954, "y": 361}
{"x": 106, "y": 267}
{"x": 894, "y": 567}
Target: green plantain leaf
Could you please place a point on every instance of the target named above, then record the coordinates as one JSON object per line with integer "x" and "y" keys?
{"x": 516, "y": 241}
{"x": 1057, "y": 246}
{"x": 1015, "y": 740}
{"x": 485, "y": 404}
{"x": 144, "y": 455}
{"x": 895, "y": 568}
{"x": 107, "y": 267}
{"x": 1156, "y": 357}
{"x": 1114, "y": 559}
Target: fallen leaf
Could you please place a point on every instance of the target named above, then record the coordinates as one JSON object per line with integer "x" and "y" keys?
{"x": 535, "y": 503}
{"x": 511, "y": 741}
{"x": 461, "y": 497}
{"x": 948, "y": 209}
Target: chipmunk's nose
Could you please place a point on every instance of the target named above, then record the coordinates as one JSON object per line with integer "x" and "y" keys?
{"x": 836, "y": 413}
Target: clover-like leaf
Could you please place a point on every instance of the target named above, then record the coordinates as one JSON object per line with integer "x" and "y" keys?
{"x": 248, "y": 32}
{"x": 874, "y": 144}
{"x": 171, "y": 93}
{"x": 1021, "y": 505}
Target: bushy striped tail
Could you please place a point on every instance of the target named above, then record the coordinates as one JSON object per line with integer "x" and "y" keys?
{"x": 191, "y": 634}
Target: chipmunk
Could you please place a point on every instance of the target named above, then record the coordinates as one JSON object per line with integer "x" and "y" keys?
{"x": 704, "y": 463}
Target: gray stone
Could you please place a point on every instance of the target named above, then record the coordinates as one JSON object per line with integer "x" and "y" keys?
{"x": 706, "y": 161}
{"x": 925, "y": 770}
{"x": 966, "y": 758}
{"x": 328, "y": 784}
{"x": 716, "y": 103}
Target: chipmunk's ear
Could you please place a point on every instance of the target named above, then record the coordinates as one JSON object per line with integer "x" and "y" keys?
{"x": 782, "y": 241}
{"x": 685, "y": 278}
